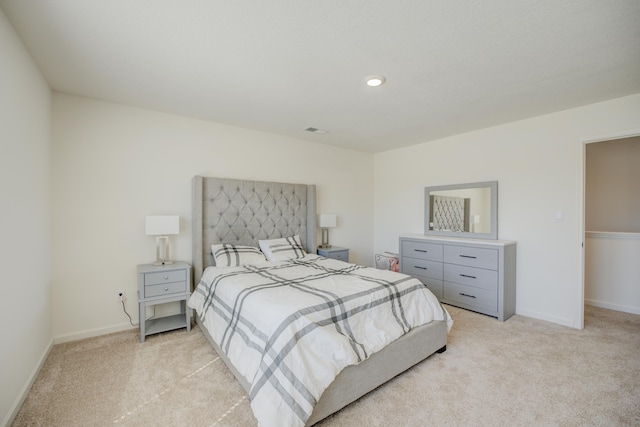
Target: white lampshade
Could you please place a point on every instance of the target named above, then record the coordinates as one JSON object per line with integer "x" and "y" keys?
{"x": 162, "y": 225}
{"x": 327, "y": 220}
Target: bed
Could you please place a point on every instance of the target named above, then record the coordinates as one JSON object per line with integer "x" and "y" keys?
{"x": 242, "y": 213}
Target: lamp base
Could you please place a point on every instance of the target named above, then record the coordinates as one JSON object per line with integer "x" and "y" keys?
{"x": 162, "y": 251}
{"x": 325, "y": 239}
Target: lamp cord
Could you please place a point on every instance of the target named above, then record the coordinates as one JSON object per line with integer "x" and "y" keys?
{"x": 124, "y": 308}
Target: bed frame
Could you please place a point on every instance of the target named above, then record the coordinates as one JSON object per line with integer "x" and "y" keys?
{"x": 243, "y": 212}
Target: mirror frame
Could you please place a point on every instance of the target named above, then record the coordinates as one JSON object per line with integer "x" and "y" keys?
{"x": 493, "y": 186}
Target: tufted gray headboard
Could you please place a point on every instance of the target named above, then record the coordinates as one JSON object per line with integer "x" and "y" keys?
{"x": 243, "y": 212}
{"x": 450, "y": 213}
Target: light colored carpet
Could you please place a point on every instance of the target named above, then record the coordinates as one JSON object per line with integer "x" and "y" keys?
{"x": 520, "y": 372}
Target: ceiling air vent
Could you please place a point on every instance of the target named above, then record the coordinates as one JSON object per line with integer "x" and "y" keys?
{"x": 316, "y": 130}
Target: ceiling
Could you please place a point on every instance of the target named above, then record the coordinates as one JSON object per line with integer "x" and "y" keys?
{"x": 282, "y": 66}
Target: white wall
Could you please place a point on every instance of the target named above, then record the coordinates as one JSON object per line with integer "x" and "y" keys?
{"x": 538, "y": 164}
{"x": 611, "y": 271}
{"x": 113, "y": 165}
{"x": 612, "y": 175}
{"x": 25, "y": 251}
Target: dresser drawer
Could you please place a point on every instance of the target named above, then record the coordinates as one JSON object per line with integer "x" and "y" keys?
{"x": 471, "y": 297}
{"x": 419, "y": 267}
{"x": 165, "y": 289}
{"x": 472, "y": 257}
{"x": 164, "y": 277}
{"x": 471, "y": 276}
{"x": 434, "y": 285}
{"x": 422, "y": 250}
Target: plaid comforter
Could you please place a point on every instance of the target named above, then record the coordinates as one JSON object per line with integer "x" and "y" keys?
{"x": 290, "y": 327}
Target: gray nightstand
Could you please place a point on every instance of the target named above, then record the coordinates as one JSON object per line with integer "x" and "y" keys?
{"x": 159, "y": 284}
{"x": 335, "y": 252}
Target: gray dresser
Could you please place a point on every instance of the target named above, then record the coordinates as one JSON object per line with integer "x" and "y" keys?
{"x": 474, "y": 274}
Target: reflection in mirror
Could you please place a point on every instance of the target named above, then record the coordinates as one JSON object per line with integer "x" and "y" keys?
{"x": 462, "y": 210}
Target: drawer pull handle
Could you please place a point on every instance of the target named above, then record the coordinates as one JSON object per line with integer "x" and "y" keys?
{"x": 421, "y": 268}
{"x": 166, "y": 277}
{"x": 166, "y": 289}
{"x": 470, "y": 277}
{"x": 468, "y": 256}
{"x": 420, "y": 250}
{"x": 465, "y": 295}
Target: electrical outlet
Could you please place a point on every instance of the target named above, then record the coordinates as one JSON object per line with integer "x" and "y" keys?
{"x": 122, "y": 297}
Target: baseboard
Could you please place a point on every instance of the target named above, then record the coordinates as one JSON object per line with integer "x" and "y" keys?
{"x": 27, "y": 387}
{"x": 611, "y": 306}
{"x": 90, "y": 333}
{"x": 542, "y": 316}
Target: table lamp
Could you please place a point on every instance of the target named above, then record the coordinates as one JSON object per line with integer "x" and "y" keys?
{"x": 162, "y": 226}
{"x": 326, "y": 221}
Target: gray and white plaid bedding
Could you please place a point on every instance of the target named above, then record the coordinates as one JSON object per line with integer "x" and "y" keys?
{"x": 290, "y": 327}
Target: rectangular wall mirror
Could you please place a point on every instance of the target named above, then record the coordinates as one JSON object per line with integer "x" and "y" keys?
{"x": 462, "y": 210}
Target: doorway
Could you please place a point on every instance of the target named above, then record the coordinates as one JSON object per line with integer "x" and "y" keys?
{"x": 611, "y": 223}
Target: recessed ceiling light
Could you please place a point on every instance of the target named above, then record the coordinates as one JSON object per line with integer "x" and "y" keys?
{"x": 375, "y": 81}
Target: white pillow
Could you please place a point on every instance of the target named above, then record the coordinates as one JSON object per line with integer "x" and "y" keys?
{"x": 228, "y": 255}
{"x": 282, "y": 249}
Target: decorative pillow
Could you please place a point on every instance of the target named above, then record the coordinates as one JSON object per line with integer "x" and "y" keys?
{"x": 282, "y": 249}
{"x": 387, "y": 261}
{"x": 228, "y": 255}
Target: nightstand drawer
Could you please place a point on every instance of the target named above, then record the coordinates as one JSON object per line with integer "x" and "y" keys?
{"x": 335, "y": 252}
{"x": 165, "y": 289}
{"x": 341, "y": 255}
{"x": 164, "y": 277}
